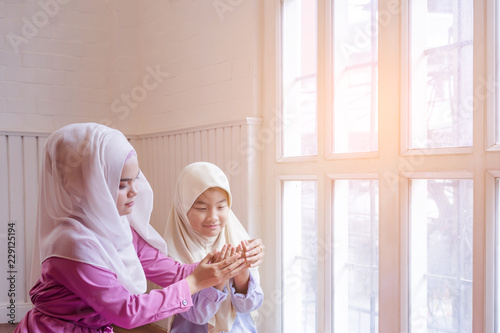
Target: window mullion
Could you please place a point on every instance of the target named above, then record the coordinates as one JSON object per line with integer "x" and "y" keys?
{"x": 390, "y": 23}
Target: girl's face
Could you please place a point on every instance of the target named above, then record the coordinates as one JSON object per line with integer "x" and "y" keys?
{"x": 128, "y": 186}
{"x": 209, "y": 213}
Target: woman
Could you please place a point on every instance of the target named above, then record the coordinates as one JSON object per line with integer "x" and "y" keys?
{"x": 200, "y": 221}
{"x": 96, "y": 246}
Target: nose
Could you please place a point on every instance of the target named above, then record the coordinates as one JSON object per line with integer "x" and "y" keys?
{"x": 133, "y": 190}
{"x": 213, "y": 215}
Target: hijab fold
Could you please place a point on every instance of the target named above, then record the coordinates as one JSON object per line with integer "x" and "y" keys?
{"x": 77, "y": 215}
{"x": 188, "y": 246}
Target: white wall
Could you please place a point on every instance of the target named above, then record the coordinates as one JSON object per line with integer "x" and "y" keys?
{"x": 58, "y": 59}
{"x": 208, "y": 49}
{"x": 140, "y": 66}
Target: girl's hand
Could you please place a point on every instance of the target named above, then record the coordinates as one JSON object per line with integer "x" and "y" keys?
{"x": 252, "y": 252}
{"x": 208, "y": 274}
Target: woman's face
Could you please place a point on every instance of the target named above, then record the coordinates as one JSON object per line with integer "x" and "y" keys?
{"x": 128, "y": 186}
{"x": 209, "y": 213}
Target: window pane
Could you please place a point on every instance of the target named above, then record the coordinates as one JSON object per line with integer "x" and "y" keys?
{"x": 300, "y": 248}
{"x": 355, "y": 43}
{"x": 441, "y": 256}
{"x": 355, "y": 259}
{"x": 497, "y": 72}
{"x": 497, "y": 260}
{"x": 441, "y": 73}
{"x": 299, "y": 76}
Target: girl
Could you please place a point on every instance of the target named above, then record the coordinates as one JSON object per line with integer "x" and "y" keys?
{"x": 97, "y": 248}
{"x": 200, "y": 221}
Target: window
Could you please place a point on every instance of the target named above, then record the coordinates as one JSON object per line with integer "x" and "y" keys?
{"x": 388, "y": 120}
{"x": 299, "y": 78}
{"x": 487, "y": 91}
{"x": 440, "y": 80}
{"x": 440, "y": 260}
{"x": 495, "y": 249}
{"x": 355, "y": 258}
{"x": 492, "y": 250}
{"x": 355, "y": 45}
{"x": 300, "y": 243}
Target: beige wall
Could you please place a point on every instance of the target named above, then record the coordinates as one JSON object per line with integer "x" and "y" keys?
{"x": 55, "y": 62}
{"x": 140, "y": 66}
{"x": 209, "y": 50}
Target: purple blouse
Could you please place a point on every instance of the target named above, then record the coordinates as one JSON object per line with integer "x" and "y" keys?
{"x": 207, "y": 303}
{"x": 71, "y": 296}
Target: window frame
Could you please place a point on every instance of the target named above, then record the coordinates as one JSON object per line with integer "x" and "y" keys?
{"x": 392, "y": 163}
{"x": 492, "y": 76}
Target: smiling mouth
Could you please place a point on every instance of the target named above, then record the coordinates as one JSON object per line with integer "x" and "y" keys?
{"x": 212, "y": 226}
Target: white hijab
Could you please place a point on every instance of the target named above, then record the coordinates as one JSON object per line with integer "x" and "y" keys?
{"x": 188, "y": 246}
{"x": 77, "y": 215}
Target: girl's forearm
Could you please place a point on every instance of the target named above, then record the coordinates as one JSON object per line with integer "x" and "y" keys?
{"x": 241, "y": 282}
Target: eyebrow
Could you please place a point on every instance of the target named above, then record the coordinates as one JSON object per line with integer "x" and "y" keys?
{"x": 204, "y": 203}
{"x": 129, "y": 179}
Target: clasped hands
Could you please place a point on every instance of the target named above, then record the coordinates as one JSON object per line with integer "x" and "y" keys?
{"x": 251, "y": 251}
{"x": 230, "y": 262}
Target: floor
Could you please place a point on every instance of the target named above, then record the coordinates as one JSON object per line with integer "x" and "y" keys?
{"x": 143, "y": 329}
{"x": 8, "y": 328}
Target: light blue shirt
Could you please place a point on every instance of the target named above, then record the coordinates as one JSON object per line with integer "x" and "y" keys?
{"x": 207, "y": 302}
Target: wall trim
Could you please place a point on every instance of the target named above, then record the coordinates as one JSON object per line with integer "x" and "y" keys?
{"x": 24, "y": 133}
{"x": 245, "y": 121}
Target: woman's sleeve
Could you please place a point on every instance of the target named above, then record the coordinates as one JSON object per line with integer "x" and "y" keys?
{"x": 159, "y": 268}
{"x": 251, "y": 301}
{"x": 205, "y": 304}
{"x": 164, "y": 270}
{"x": 102, "y": 291}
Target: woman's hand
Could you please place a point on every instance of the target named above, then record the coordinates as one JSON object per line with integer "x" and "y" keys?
{"x": 226, "y": 252}
{"x": 208, "y": 274}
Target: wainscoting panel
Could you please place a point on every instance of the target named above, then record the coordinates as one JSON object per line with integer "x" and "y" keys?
{"x": 19, "y": 165}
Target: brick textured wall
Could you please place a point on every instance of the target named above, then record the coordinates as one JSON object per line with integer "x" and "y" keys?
{"x": 140, "y": 66}
{"x": 209, "y": 49}
{"x": 59, "y": 60}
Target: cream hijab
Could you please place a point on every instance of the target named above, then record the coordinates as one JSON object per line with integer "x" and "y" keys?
{"x": 188, "y": 246}
{"x": 77, "y": 215}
